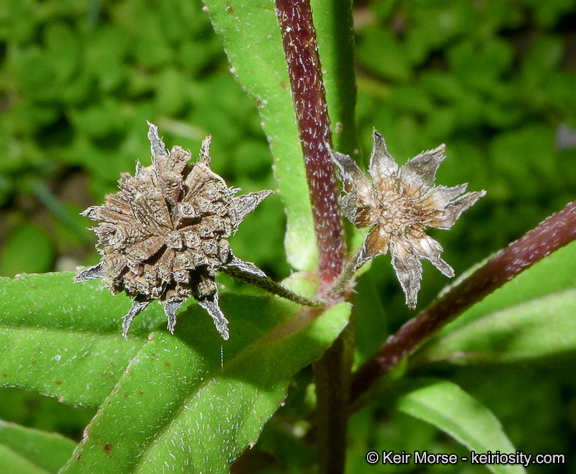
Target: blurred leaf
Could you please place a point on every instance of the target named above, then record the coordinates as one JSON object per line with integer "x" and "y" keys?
{"x": 18, "y": 22}
{"x": 99, "y": 120}
{"x": 37, "y": 77}
{"x": 442, "y": 85}
{"x": 380, "y": 51}
{"x": 410, "y": 99}
{"x": 30, "y": 116}
{"x": 544, "y": 55}
{"x": 172, "y": 98}
{"x": 547, "y": 15}
{"x": 27, "y": 250}
{"x": 48, "y": 452}
{"x": 528, "y": 318}
{"x": 252, "y": 157}
{"x": 371, "y": 321}
{"x": 496, "y": 15}
{"x": 502, "y": 116}
{"x": 446, "y": 406}
{"x": 562, "y": 94}
{"x": 525, "y": 158}
{"x": 186, "y": 410}
{"x": 435, "y": 24}
{"x": 479, "y": 65}
{"x": 105, "y": 56}
{"x": 153, "y": 48}
{"x": 62, "y": 49}
{"x": 17, "y": 464}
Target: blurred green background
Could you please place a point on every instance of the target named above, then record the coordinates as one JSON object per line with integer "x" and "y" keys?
{"x": 493, "y": 79}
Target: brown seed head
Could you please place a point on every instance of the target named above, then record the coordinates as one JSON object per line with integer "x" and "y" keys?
{"x": 163, "y": 235}
{"x": 398, "y": 204}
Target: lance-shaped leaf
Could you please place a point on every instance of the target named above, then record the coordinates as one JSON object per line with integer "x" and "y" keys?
{"x": 28, "y": 450}
{"x": 530, "y": 317}
{"x": 446, "y": 406}
{"x": 187, "y": 409}
{"x": 63, "y": 340}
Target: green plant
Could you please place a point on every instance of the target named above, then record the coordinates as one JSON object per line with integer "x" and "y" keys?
{"x": 190, "y": 401}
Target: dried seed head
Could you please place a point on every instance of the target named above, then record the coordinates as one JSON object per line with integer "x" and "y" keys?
{"x": 162, "y": 237}
{"x": 398, "y": 205}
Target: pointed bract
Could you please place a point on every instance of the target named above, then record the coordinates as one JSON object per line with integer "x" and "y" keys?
{"x": 170, "y": 309}
{"x": 421, "y": 170}
{"x": 243, "y": 205}
{"x": 382, "y": 165}
{"x": 349, "y": 171}
{"x": 157, "y": 146}
{"x": 137, "y": 307}
{"x": 213, "y": 309}
{"x": 399, "y": 205}
{"x": 242, "y": 266}
{"x": 92, "y": 273}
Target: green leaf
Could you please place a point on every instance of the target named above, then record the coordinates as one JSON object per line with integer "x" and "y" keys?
{"x": 38, "y": 451}
{"x": 100, "y": 120}
{"x": 172, "y": 97}
{"x": 18, "y": 464}
{"x": 28, "y": 250}
{"x": 105, "y": 55}
{"x": 371, "y": 325}
{"x": 63, "y": 49}
{"x": 335, "y": 32}
{"x": 251, "y": 38}
{"x": 189, "y": 410}
{"x": 379, "y": 50}
{"x": 446, "y": 406}
{"x": 64, "y": 339}
{"x": 525, "y": 158}
{"x": 530, "y": 317}
{"x": 480, "y": 64}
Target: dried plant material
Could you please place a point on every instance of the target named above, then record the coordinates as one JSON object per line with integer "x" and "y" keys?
{"x": 163, "y": 236}
{"x": 399, "y": 204}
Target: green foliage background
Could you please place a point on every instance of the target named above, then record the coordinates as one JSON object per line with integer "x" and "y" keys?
{"x": 494, "y": 80}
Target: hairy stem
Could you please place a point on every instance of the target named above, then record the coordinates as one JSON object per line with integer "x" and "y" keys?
{"x": 332, "y": 374}
{"x": 266, "y": 283}
{"x": 332, "y": 371}
{"x": 301, "y": 51}
{"x": 555, "y": 232}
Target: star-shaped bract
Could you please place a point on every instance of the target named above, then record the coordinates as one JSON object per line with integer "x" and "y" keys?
{"x": 163, "y": 235}
{"x": 398, "y": 204}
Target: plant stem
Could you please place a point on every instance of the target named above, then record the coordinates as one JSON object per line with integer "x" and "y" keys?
{"x": 555, "y": 232}
{"x": 301, "y": 51}
{"x": 332, "y": 374}
{"x": 332, "y": 371}
{"x": 266, "y": 283}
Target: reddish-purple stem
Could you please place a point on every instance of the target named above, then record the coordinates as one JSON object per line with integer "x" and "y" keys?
{"x": 309, "y": 96}
{"x": 555, "y": 232}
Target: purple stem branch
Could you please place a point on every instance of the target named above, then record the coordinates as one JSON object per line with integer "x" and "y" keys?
{"x": 555, "y": 232}
{"x": 301, "y": 51}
